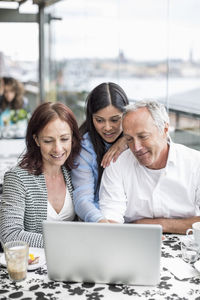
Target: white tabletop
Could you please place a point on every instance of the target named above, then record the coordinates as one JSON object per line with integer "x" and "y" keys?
{"x": 10, "y": 151}
{"x": 11, "y": 147}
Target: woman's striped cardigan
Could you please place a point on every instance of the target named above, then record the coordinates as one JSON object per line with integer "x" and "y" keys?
{"x": 24, "y": 206}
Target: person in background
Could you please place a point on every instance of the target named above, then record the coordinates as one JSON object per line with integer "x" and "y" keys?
{"x": 39, "y": 187}
{"x": 102, "y": 141}
{"x": 155, "y": 181}
{"x": 1, "y": 88}
{"x": 13, "y": 104}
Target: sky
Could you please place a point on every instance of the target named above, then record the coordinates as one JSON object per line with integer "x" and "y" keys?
{"x": 143, "y": 30}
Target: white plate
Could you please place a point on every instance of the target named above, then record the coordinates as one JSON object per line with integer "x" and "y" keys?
{"x": 37, "y": 252}
{"x": 197, "y": 265}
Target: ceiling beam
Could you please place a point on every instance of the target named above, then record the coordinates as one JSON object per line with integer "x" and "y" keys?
{"x": 18, "y": 1}
{"x": 13, "y": 15}
{"x": 45, "y": 3}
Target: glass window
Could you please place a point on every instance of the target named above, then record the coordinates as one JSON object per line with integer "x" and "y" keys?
{"x": 19, "y": 49}
{"x": 149, "y": 47}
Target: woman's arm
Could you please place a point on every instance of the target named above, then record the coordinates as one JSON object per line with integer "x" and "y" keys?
{"x": 114, "y": 151}
{"x": 84, "y": 179}
{"x": 13, "y": 213}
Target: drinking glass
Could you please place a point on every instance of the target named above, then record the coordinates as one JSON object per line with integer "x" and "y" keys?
{"x": 16, "y": 254}
{"x": 190, "y": 249}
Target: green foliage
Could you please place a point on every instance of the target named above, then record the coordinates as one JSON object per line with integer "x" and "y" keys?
{"x": 18, "y": 115}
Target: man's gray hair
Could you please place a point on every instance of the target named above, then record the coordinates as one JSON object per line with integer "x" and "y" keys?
{"x": 157, "y": 111}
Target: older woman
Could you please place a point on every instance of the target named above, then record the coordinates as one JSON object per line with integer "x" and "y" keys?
{"x": 39, "y": 187}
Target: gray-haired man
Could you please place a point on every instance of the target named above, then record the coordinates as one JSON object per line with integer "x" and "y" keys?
{"x": 155, "y": 181}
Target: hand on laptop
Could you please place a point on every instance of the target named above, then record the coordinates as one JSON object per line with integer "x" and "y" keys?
{"x": 103, "y": 221}
{"x": 106, "y": 221}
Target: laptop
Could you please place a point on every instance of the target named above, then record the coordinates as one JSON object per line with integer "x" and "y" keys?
{"x": 103, "y": 253}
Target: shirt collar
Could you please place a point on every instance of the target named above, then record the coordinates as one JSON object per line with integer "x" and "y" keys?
{"x": 172, "y": 153}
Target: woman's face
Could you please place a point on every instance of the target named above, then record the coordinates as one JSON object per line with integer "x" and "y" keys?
{"x": 9, "y": 93}
{"x": 55, "y": 142}
{"x": 108, "y": 123}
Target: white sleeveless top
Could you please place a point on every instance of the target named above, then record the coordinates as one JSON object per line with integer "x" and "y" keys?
{"x": 67, "y": 212}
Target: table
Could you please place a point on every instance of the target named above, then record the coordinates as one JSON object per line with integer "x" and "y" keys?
{"x": 11, "y": 147}
{"x": 38, "y": 286}
{"x": 10, "y": 150}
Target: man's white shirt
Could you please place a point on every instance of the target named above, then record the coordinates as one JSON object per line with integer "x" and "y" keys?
{"x": 130, "y": 191}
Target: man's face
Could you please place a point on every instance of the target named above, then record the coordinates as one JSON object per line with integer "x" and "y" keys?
{"x": 145, "y": 140}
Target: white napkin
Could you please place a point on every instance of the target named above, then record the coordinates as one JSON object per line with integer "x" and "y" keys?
{"x": 179, "y": 268}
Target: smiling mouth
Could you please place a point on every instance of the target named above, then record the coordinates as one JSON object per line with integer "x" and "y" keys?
{"x": 141, "y": 154}
{"x": 57, "y": 156}
{"x": 109, "y": 134}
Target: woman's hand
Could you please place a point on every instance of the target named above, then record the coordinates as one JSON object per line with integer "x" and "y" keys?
{"x": 103, "y": 221}
{"x": 113, "y": 153}
{"x": 107, "y": 221}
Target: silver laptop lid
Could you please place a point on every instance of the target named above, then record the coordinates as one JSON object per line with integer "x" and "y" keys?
{"x": 103, "y": 253}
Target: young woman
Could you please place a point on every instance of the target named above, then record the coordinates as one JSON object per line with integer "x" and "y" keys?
{"x": 102, "y": 141}
{"x": 39, "y": 188}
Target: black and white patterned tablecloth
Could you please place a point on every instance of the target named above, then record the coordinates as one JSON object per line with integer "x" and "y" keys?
{"x": 38, "y": 286}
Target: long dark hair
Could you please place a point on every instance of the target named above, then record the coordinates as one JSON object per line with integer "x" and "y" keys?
{"x": 18, "y": 89}
{"x": 43, "y": 114}
{"x": 100, "y": 97}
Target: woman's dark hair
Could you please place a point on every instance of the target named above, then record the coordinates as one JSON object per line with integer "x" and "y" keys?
{"x": 18, "y": 89}
{"x": 100, "y": 97}
{"x": 43, "y": 114}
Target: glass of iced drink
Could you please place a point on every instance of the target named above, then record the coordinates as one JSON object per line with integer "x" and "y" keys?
{"x": 16, "y": 255}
